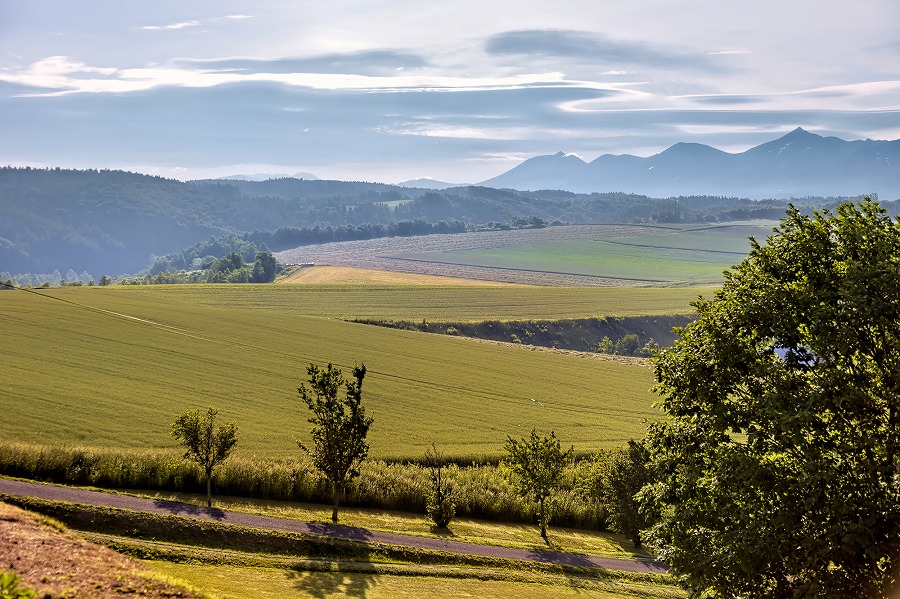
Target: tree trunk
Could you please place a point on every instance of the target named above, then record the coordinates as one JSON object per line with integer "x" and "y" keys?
{"x": 337, "y": 497}
{"x": 208, "y": 489}
{"x": 543, "y": 521}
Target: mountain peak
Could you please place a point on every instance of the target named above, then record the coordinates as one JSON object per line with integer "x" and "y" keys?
{"x": 800, "y": 133}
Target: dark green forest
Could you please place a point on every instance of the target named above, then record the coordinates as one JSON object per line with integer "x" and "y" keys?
{"x": 107, "y": 222}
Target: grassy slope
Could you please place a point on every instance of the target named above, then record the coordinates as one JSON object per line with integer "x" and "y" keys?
{"x": 431, "y": 303}
{"x": 263, "y": 583}
{"x": 469, "y": 530}
{"x": 72, "y": 374}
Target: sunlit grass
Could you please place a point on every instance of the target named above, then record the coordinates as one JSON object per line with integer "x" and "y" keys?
{"x": 107, "y": 368}
{"x": 429, "y": 303}
{"x": 470, "y": 530}
{"x": 232, "y": 582}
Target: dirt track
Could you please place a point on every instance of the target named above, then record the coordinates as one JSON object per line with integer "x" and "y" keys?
{"x": 73, "y": 495}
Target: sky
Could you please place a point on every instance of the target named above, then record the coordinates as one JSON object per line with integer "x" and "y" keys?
{"x": 458, "y": 90}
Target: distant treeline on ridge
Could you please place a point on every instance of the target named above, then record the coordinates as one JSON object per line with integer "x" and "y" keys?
{"x": 114, "y": 222}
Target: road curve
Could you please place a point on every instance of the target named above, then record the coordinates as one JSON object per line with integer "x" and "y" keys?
{"x": 169, "y": 508}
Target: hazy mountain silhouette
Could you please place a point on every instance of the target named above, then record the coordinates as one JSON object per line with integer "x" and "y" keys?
{"x": 796, "y": 165}
{"x": 426, "y": 183}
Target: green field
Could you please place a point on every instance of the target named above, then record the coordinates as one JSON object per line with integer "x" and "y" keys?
{"x": 725, "y": 237}
{"x": 683, "y": 255}
{"x": 433, "y": 304}
{"x": 272, "y": 583}
{"x": 112, "y": 367}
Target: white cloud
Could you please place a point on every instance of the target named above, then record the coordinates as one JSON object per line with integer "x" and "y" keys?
{"x": 181, "y": 25}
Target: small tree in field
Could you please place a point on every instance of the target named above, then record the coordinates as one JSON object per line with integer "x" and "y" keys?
{"x": 439, "y": 504}
{"x": 340, "y": 426}
{"x": 205, "y": 443}
{"x": 537, "y": 466}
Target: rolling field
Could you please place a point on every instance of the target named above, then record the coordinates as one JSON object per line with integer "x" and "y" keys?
{"x": 574, "y": 255}
{"x": 431, "y": 303}
{"x": 597, "y": 259}
{"x": 112, "y": 367}
{"x": 673, "y": 256}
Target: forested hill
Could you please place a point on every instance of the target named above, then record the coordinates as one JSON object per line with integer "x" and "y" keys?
{"x": 114, "y": 222}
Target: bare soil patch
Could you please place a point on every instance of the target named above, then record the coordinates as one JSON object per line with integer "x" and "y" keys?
{"x": 57, "y": 564}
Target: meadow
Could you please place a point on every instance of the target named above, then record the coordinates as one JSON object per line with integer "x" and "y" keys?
{"x": 112, "y": 367}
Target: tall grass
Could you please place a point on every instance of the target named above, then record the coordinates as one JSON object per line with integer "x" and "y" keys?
{"x": 480, "y": 491}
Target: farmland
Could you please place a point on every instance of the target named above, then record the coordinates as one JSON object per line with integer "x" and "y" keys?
{"x": 584, "y": 255}
{"x": 111, "y": 367}
{"x": 432, "y": 303}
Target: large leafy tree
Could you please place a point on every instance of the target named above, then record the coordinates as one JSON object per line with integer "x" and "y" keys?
{"x": 204, "y": 442}
{"x": 537, "y": 464}
{"x": 339, "y": 424}
{"x": 779, "y": 463}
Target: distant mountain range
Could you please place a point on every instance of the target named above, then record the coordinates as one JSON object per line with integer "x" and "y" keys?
{"x": 797, "y": 165}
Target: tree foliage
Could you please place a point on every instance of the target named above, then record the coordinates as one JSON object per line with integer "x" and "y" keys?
{"x": 10, "y": 589}
{"x": 779, "y": 462}
{"x": 340, "y": 425}
{"x": 624, "y": 473}
{"x": 204, "y": 442}
{"x": 439, "y": 505}
{"x": 537, "y": 465}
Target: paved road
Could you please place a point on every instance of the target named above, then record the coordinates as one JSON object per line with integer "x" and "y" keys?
{"x": 155, "y": 506}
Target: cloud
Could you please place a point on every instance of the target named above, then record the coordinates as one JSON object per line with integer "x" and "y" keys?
{"x": 68, "y": 76}
{"x": 582, "y": 46}
{"x": 364, "y": 63}
{"x": 195, "y": 23}
{"x": 181, "y": 25}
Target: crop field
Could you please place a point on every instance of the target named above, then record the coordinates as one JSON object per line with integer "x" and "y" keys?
{"x": 430, "y": 303}
{"x": 679, "y": 256}
{"x": 722, "y": 238}
{"x": 598, "y": 259}
{"x": 577, "y": 255}
{"x": 110, "y": 367}
{"x": 343, "y": 275}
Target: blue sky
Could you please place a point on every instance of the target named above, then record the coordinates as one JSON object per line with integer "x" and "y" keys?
{"x": 458, "y": 90}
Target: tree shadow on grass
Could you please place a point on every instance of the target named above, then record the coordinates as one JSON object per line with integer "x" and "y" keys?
{"x": 185, "y": 509}
{"x": 342, "y": 580}
{"x": 444, "y": 533}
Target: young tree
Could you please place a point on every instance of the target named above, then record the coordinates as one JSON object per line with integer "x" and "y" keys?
{"x": 624, "y": 473}
{"x": 204, "y": 442}
{"x": 340, "y": 426}
{"x": 780, "y": 457}
{"x": 439, "y": 504}
{"x": 537, "y": 466}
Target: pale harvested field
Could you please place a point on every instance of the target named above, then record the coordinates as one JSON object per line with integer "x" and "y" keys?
{"x": 341, "y": 275}
{"x": 379, "y": 254}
